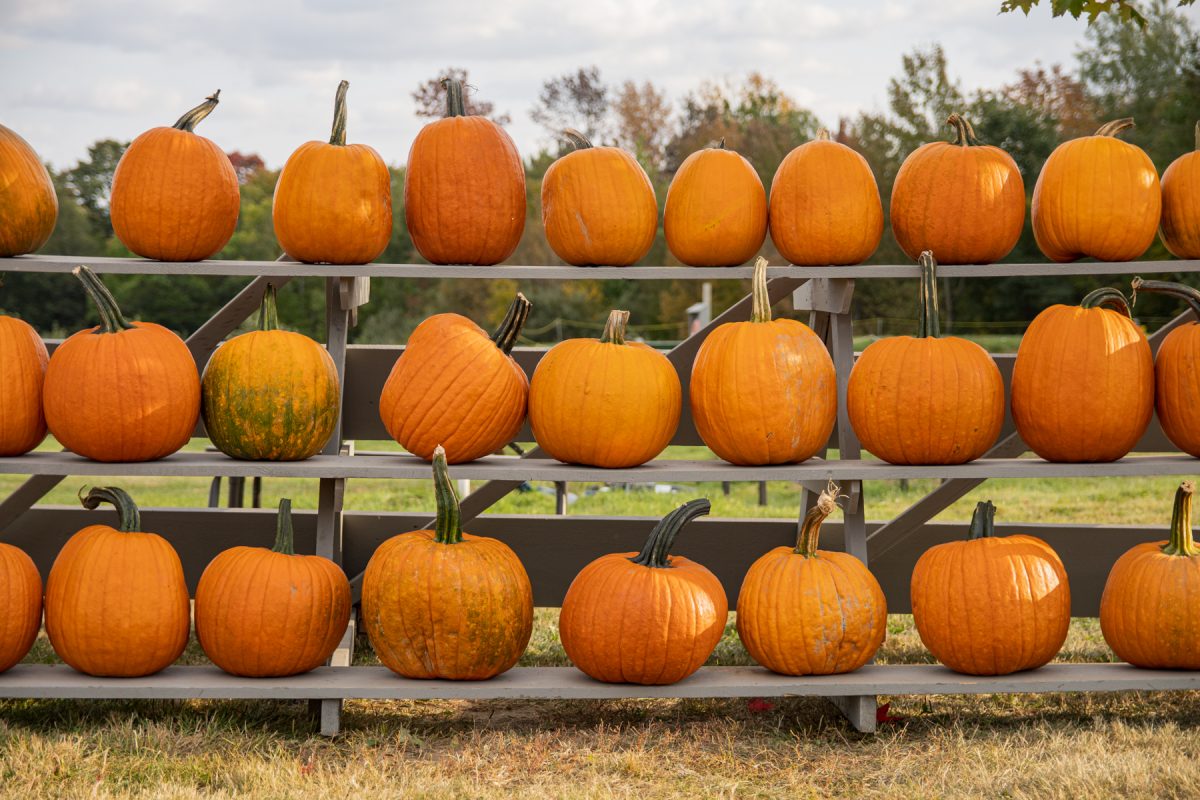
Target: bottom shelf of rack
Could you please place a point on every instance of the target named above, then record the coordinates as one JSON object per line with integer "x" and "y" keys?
{"x": 552, "y": 683}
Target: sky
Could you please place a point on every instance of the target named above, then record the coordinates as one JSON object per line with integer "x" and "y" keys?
{"x": 75, "y": 71}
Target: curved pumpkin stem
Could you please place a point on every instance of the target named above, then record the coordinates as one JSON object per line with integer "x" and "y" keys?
{"x": 455, "y": 106}
{"x": 1182, "y": 291}
{"x": 268, "y": 312}
{"x": 720, "y": 145}
{"x": 448, "y": 528}
{"x": 810, "y": 528}
{"x": 1181, "y": 543}
{"x": 338, "y": 137}
{"x": 656, "y": 552}
{"x": 127, "y": 510}
{"x": 929, "y": 320}
{"x": 983, "y": 521}
{"x": 191, "y": 119}
{"x": 1115, "y": 127}
{"x": 1107, "y": 297}
{"x": 823, "y": 135}
{"x": 284, "y": 536}
{"x": 111, "y": 319}
{"x": 506, "y": 335}
{"x": 614, "y": 328}
{"x": 1198, "y": 135}
{"x": 761, "y": 310}
{"x": 576, "y": 139}
{"x": 964, "y": 134}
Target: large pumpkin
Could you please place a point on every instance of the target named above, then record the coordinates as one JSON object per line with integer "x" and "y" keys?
{"x": 991, "y": 605}
{"x": 20, "y": 605}
{"x": 464, "y": 188}
{"x": 116, "y": 599}
{"x": 457, "y": 387}
{"x": 1097, "y": 196}
{"x": 1180, "y": 224}
{"x": 1083, "y": 381}
{"x": 121, "y": 391}
{"x": 1146, "y": 611}
{"x": 269, "y": 613}
{"x": 270, "y": 395}
{"x": 446, "y": 604}
{"x": 804, "y": 611}
{"x": 604, "y": 402}
{"x": 650, "y": 617}
{"x": 598, "y": 206}
{"x": 1177, "y": 371}
{"x": 28, "y": 203}
{"x": 825, "y": 206}
{"x": 763, "y": 391}
{"x": 961, "y": 200}
{"x": 174, "y": 193}
{"x": 900, "y": 384}
{"x": 22, "y": 374}
{"x": 333, "y": 201}
{"x": 716, "y": 209}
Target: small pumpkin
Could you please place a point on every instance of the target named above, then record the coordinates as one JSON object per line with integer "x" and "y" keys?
{"x": 763, "y": 391}
{"x": 116, "y": 599}
{"x": 121, "y": 391}
{"x": 991, "y": 605}
{"x": 333, "y": 201}
{"x": 598, "y": 206}
{"x": 174, "y": 193}
{"x": 1180, "y": 224}
{"x": 455, "y": 386}
{"x": 1177, "y": 370}
{"x": 825, "y": 206}
{"x": 804, "y": 611}
{"x": 464, "y": 188}
{"x": 900, "y": 384}
{"x": 446, "y": 604}
{"x": 270, "y": 395}
{"x": 648, "y": 618}
{"x": 1083, "y": 381}
{"x": 604, "y": 402}
{"x": 1097, "y": 196}
{"x": 1146, "y": 608}
{"x": 270, "y": 613}
{"x": 20, "y": 605}
{"x": 22, "y": 375}
{"x": 716, "y": 209}
{"x": 28, "y": 202}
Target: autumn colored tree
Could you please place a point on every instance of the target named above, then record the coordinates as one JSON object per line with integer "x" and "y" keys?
{"x": 576, "y": 100}
{"x": 642, "y": 122}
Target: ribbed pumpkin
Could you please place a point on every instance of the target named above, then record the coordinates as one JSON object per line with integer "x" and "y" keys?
{"x": 962, "y": 200}
{"x": 716, "y": 209}
{"x": 648, "y": 618}
{"x": 121, "y": 391}
{"x": 825, "y": 206}
{"x": 1097, "y": 196}
{"x": 926, "y": 400}
{"x": 598, "y": 206}
{"x": 269, "y": 613}
{"x": 23, "y": 360}
{"x": 333, "y": 201}
{"x": 20, "y": 605}
{"x": 174, "y": 193}
{"x": 991, "y": 605}
{"x": 763, "y": 391}
{"x": 28, "y": 203}
{"x": 116, "y": 599}
{"x": 464, "y": 188}
{"x": 604, "y": 402}
{"x": 804, "y": 611}
{"x": 455, "y": 386}
{"x": 1180, "y": 224}
{"x": 270, "y": 395}
{"x": 446, "y": 604}
{"x": 1083, "y": 381}
{"x": 1147, "y": 609}
{"x": 1177, "y": 370}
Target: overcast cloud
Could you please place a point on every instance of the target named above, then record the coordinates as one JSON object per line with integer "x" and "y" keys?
{"x": 76, "y": 71}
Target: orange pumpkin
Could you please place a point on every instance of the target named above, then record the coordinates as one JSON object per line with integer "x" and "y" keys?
{"x": 1180, "y": 224}
{"x": 269, "y": 613}
{"x": 116, "y": 600}
{"x": 1177, "y": 370}
{"x": 900, "y": 384}
{"x": 962, "y": 200}
{"x": 825, "y": 206}
{"x": 598, "y": 206}
{"x": 446, "y": 604}
{"x": 991, "y": 605}
{"x": 716, "y": 210}
{"x": 648, "y": 618}
{"x": 174, "y": 193}
{"x": 121, "y": 391}
{"x": 333, "y": 201}
{"x": 20, "y": 605}
{"x": 28, "y": 203}
{"x": 1083, "y": 381}
{"x": 455, "y": 386}
{"x": 763, "y": 391}
{"x": 1097, "y": 196}
{"x": 604, "y": 402}
{"x": 22, "y": 374}
{"x": 464, "y": 188}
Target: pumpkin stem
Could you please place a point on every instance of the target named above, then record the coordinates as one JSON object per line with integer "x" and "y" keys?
{"x": 576, "y": 139}
{"x": 338, "y": 136}
{"x": 506, "y": 335}
{"x": 284, "y": 537}
{"x": 1107, "y": 296}
{"x": 455, "y": 107}
{"x": 964, "y": 134}
{"x": 448, "y": 528}
{"x": 111, "y": 319}
{"x": 720, "y": 145}
{"x": 268, "y": 312}
{"x": 614, "y": 328}
{"x": 1115, "y": 127}
{"x": 1181, "y": 543}
{"x": 1182, "y": 291}
{"x": 127, "y": 510}
{"x": 810, "y": 528}
{"x": 823, "y": 135}
{"x": 191, "y": 119}
{"x": 929, "y": 321}
{"x": 656, "y": 552}
{"x": 983, "y": 521}
{"x": 1198, "y": 135}
{"x": 761, "y": 311}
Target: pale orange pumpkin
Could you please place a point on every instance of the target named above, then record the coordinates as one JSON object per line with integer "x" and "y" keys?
{"x": 716, "y": 209}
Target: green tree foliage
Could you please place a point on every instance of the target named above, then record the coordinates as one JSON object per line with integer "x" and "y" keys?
{"x": 91, "y": 180}
{"x": 1123, "y": 10}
